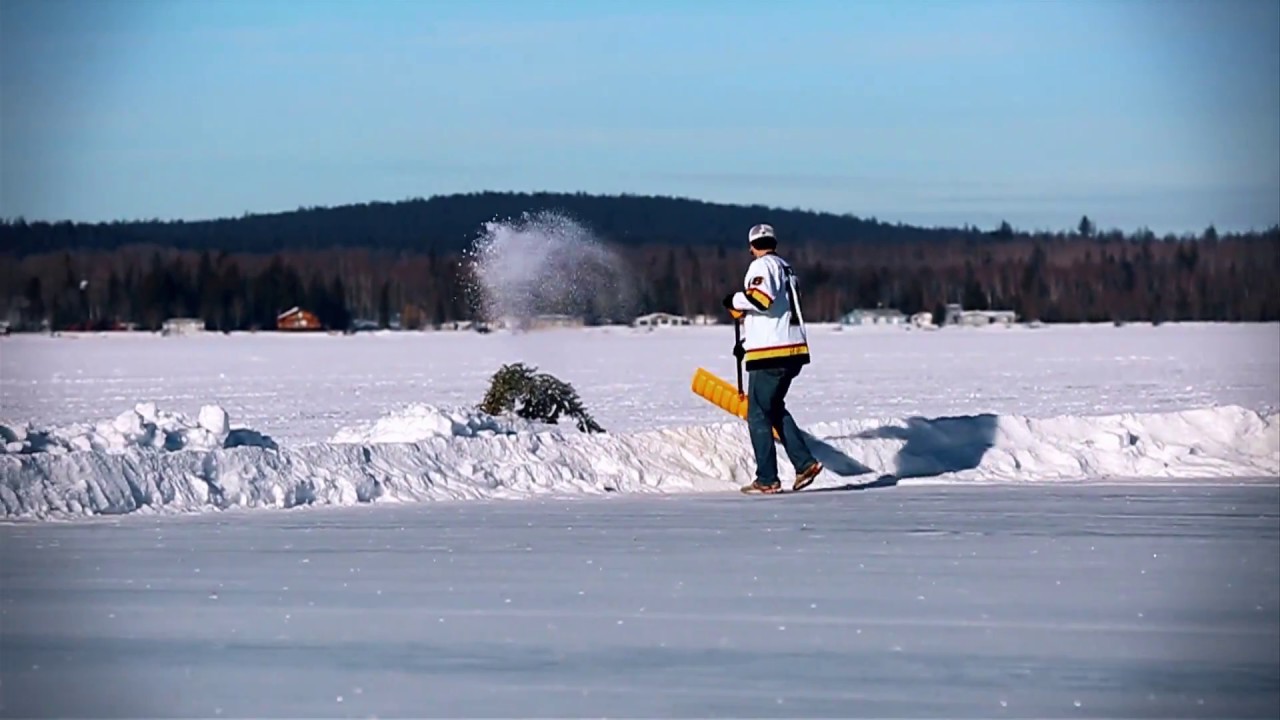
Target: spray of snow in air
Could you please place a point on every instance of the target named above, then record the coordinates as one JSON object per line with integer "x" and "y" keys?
{"x": 546, "y": 263}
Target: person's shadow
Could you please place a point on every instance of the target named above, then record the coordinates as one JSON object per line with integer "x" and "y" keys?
{"x": 931, "y": 447}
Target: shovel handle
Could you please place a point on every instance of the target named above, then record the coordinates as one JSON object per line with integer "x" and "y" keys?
{"x": 737, "y": 338}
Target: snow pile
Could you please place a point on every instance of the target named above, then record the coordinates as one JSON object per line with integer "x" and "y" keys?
{"x": 1229, "y": 441}
{"x": 143, "y": 427}
{"x": 424, "y": 454}
{"x": 415, "y": 423}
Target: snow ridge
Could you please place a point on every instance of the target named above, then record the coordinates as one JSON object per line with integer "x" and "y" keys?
{"x": 143, "y": 427}
{"x": 424, "y": 453}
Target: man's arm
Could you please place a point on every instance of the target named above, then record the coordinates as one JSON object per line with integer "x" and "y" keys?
{"x": 745, "y": 303}
{"x": 759, "y": 294}
{"x": 761, "y": 289}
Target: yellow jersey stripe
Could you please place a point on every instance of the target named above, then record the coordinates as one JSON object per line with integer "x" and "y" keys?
{"x": 778, "y": 352}
{"x": 759, "y": 298}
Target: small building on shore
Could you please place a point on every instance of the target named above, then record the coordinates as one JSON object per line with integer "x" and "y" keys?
{"x": 923, "y": 320}
{"x": 958, "y": 316}
{"x": 661, "y": 319}
{"x": 295, "y": 319}
{"x": 874, "y": 316}
{"x": 182, "y": 326}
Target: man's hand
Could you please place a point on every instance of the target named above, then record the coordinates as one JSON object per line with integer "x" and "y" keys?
{"x": 734, "y": 312}
{"x": 739, "y": 351}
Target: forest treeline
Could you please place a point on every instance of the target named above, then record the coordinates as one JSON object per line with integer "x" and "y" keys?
{"x": 238, "y": 274}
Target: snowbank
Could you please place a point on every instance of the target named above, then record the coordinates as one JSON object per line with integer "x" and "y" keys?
{"x": 425, "y": 454}
{"x": 421, "y": 422}
{"x": 143, "y": 427}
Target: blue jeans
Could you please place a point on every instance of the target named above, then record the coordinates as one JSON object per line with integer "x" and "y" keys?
{"x": 766, "y": 410}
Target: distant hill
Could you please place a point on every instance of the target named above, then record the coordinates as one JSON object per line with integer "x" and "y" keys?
{"x": 680, "y": 255}
{"x": 450, "y": 223}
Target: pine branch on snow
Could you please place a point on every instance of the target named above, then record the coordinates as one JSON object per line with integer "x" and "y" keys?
{"x": 533, "y": 395}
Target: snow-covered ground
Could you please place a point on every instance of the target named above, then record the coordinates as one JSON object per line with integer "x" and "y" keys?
{"x": 307, "y": 388}
{"x": 114, "y": 424}
{"x": 1087, "y": 524}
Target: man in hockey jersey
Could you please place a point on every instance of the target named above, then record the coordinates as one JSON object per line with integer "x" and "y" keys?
{"x": 774, "y": 348}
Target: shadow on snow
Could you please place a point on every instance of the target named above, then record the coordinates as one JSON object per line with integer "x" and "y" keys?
{"x": 931, "y": 447}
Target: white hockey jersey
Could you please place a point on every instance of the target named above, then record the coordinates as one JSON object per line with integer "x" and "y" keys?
{"x": 774, "y": 333}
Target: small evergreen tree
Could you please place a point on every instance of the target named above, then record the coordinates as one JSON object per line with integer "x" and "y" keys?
{"x": 535, "y": 396}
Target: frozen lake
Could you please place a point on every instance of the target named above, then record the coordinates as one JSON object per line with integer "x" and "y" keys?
{"x": 1086, "y": 523}
{"x": 942, "y": 601}
{"x": 307, "y": 388}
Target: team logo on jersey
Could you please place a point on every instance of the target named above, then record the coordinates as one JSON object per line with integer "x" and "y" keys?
{"x": 757, "y": 280}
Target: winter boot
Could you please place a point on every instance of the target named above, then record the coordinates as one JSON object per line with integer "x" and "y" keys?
{"x": 759, "y": 488}
{"x": 804, "y": 479}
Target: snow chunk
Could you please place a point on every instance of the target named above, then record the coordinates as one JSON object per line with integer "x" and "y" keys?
{"x": 143, "y": 428}
{"x": 416, "y": 423}
{"x": 215, "y": 420}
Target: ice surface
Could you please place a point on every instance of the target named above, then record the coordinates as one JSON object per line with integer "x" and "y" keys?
{"x": 940, "y": 601}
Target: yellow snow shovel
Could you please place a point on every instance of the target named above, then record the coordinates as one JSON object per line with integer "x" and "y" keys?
{"x": 719, "y": 392}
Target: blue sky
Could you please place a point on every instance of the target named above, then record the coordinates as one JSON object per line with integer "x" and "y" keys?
{"x": 1158, "y": 113}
